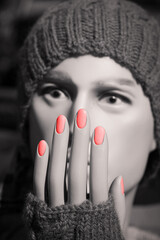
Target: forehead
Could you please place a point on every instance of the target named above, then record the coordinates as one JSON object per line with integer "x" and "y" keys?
{"x": 89, "y": 70}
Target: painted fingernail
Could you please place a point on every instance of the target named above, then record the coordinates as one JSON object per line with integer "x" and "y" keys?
{"x": 99, "y": 133}
{"x": 81, "y": 118}
{"x": 60, "y": 124}
{"x": 41, "y": 147}
{"x": 122, "y": 185}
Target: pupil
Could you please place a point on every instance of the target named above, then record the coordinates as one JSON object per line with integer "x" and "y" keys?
{"x": 113, "y": 99}
{"x": 56, "y": 94}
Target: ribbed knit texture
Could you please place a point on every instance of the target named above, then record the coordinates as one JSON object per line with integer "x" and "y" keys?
{"x": 115, "y": 28}
{"x": 72, "y": 222}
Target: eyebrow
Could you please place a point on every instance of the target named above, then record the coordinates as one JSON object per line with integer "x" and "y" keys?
{"x": 120, "y": 81}
{"x": 124, "y": 81}
{"x": 59, "y": 78}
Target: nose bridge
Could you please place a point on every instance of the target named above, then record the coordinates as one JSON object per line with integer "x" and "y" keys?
{"x": 81, "y": 101}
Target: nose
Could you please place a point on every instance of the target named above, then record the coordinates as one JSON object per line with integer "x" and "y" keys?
{"x": 81, "y": 101}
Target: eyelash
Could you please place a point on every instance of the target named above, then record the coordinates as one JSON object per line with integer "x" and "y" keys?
{"x": 111, "y": 94}
{"x": 49, "y": 89}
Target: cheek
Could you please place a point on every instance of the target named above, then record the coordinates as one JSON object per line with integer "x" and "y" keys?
{"x": 42, "y": 121}
{"x": 129, "y": 146}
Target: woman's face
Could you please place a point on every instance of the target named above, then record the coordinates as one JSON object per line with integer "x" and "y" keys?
{"x": 113, "y": 100}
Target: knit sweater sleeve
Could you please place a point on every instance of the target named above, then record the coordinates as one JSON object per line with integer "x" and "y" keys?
{"x": 73, "y": 222}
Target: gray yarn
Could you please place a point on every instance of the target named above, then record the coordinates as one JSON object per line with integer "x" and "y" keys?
{"x": 70, "y": 222}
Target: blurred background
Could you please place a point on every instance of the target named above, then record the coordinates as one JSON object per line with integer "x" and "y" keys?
{"x": 16, "y": 19}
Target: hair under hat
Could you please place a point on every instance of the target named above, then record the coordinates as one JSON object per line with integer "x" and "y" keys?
{"x": 116, "y": 28}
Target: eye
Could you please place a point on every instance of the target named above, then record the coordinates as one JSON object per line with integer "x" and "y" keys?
{"x": 114, "y": 98}
{"x": 54, "y": 92}
{"x": 57, "y": 93}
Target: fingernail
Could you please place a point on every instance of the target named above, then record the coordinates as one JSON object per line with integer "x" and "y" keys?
{"x": 81, "y": 118}
{"x": 122, "y": 185}
{"x": 41, "y": 147}
{"x": 99, "y": 133}
{"x": 60, "y": 124}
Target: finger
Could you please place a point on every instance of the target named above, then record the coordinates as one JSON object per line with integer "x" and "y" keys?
{"x": 57, "y": 164}
{"x": 40, "y": 169}
{"x": 77, "y": 178}
{"x": 117, "y": 191}
{"x": 99, "y": 166}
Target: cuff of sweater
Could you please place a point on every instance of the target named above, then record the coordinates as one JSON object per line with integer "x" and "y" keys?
{"x": 84, "y": 221}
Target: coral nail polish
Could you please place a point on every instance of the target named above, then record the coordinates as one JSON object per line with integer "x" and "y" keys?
{"x": 122, "y": 185}
{"x": 41, "y": 147}
{"x": 99, "y": 133}
{"x": 60, "y": 124}
{"x": 81, "y": 118}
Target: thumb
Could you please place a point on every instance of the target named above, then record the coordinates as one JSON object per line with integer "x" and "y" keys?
{"x": 117, "y": 191}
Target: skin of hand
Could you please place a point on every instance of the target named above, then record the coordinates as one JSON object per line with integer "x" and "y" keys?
{"x": 51, "y": 169}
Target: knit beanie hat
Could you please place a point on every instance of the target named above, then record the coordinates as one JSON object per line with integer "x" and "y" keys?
{"x": 116, "y": 28}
